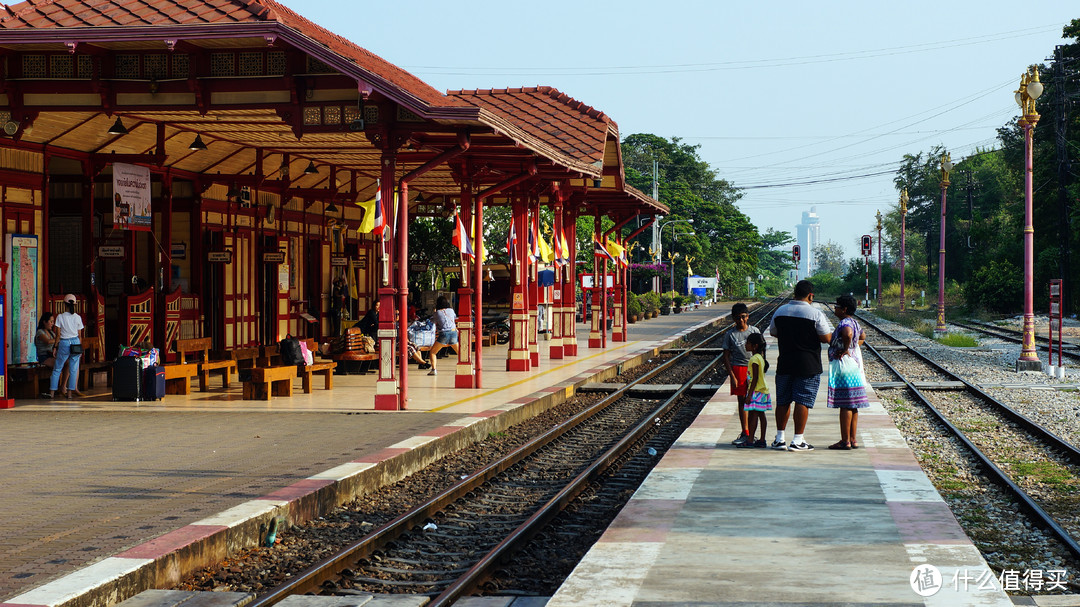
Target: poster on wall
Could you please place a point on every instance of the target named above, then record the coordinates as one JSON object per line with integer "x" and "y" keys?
{"x": 22, "y": 282}
{"x": 131, "y": 197}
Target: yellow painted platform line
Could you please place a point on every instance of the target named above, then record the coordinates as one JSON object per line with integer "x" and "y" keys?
{"x": 535, "y": 375}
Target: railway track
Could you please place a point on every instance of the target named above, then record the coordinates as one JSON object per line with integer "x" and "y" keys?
{"x": 1036, "y": 468}
{"x": 1068, "y": 349}
{"x": 459, "y": 542}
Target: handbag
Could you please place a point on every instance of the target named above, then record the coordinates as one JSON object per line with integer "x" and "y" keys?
{"x": 75, "y": 349}
{"x": 845, "y": 373}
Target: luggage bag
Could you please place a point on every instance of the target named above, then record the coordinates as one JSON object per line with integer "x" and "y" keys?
{"x": 153, "y": 387}
{"x": 127, "y": 378}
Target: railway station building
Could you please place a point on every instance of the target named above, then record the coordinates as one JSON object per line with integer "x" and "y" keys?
{"x": 206, "y": 168}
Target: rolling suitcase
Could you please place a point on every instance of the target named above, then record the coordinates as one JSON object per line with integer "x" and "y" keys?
{"x": 153, "y": 387}
{"x": 127, "y": 378}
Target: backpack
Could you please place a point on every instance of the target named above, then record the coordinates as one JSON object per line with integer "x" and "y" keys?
{"x": 289, "y": 349}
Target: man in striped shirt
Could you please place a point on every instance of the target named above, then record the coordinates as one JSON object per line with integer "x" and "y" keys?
{"x": 799, "y": 329}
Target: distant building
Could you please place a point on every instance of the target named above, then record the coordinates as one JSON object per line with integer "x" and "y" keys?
{"x": 808, "y": 234}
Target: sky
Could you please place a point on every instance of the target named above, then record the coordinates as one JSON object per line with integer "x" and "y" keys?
{"x": 776, "y": 93}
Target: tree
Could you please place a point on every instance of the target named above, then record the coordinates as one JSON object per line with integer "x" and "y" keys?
{"x": 829, "y": 259}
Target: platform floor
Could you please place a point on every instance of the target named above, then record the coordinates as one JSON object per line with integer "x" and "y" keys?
{"x": 95, "y": 489}
{"x": 718, "y": 525}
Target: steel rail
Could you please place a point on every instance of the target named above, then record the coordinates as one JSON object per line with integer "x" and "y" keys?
{"x": 995, "y": 473}
{"x": 311, "y": 579}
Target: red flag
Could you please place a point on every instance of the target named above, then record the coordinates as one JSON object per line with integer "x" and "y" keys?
{"x": 461, "y": 238}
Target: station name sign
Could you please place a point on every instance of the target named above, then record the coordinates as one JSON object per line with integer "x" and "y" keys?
{"x": 219, "y": 256}
{"x": 110, "y": 252}
{"x": 339, "y": 261}
{"x": 277, "y": 257}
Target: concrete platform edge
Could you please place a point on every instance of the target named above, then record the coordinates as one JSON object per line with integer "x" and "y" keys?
{"x": 164, "y": 561}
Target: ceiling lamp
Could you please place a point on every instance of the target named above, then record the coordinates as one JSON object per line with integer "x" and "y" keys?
{"x": 331, "y": 208}
{"x": 118, "y": 128}
{"x": 197, "y": 145}
{"x": 311, "y": 170}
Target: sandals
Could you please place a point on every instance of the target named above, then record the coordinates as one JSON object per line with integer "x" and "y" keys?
{"x": 46, "y": 396}
{"x": 854, "y": 445}
{"x": 840, "y": 446}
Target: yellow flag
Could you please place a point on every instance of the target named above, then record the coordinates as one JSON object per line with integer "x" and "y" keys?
{"x": 352, "y": 283}
{"x": 546, "y": 254}
{"x": 479, "y": 244}
{"x": 368, "y": 223}
{"x": 615, "y": 249}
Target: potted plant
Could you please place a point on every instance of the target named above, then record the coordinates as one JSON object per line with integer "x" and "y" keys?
{"x": 633, "y": 308}
{"x": 665, "y": 304}
{"x": 677, "y": 301}
{"x": 651, "y": 302}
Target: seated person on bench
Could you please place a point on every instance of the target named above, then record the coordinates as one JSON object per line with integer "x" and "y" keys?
{"x": 369, "y": 324}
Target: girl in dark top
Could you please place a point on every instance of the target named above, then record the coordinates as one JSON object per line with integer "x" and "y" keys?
{"x": 446, "y": 326}
{"x": 45, "y": 340}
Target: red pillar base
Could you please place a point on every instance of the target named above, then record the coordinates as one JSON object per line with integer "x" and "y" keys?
{"x": 569, "y": 350}
{"x": 7, "y": 403}
{"x": 464, "y": 381}
{"x": 596, "y": 342}
{"x": 555, "y": 353}
{"x": 535, "y": 357}
{"x": 517, "y": 364}
{"x": 386, "y": 402}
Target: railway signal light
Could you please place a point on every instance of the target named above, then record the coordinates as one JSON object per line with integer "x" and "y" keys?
{"x": 795, "y": 253}
{"x": 866, "y": 245}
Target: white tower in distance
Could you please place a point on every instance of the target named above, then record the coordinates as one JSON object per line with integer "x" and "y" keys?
{"x": 808, "y": 235}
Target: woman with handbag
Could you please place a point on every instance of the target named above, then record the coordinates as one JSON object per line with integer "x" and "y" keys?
{"x": 847, "y": 383}
{"x": 68, "y": 350}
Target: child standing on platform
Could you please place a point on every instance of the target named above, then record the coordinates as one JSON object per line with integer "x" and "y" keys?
{"x": 735, "y": 360}
{"x": 757, "y": 392}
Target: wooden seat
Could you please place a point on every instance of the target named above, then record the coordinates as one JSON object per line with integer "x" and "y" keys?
{"x": 350, "y": 349}
{"x": 326, "y": 369}
{"x": 244, "y": 358}
{"x": 269, "y": 380}
{"x": 92, "y": 362}
{"x": 199, "y": 350}
{"x": 178, "y": 377}
{"x": 268, "y": 356}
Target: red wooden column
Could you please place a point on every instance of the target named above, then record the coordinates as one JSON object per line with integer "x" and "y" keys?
{"x": 595, "y": 339}
{"x": 618, "y": 332}
{"x": 401, "y": 319}
{"x": 569, "y": 296}
{"x": 463, "y": 377}
{"x": 534, "y": 288}
{"x": 517, "y": 356}
{"x": 604, "y": 291}
{"x": 386, "y": 387}
{"x": 555, "y": 351}
{"x": 478, "y": 280}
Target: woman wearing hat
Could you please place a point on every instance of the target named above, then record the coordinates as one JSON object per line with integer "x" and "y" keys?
{"x": 70, "y": 326}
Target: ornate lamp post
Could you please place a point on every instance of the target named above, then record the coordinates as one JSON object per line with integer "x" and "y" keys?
{"x": 903, "y": 244}
{"x": 659, "y": 252}
{"x": 946, "y": 168}
{"x": 1030, "y": 90}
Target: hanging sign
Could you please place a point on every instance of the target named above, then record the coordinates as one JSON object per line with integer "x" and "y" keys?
{"x": 418, "y": 267}
{"x": 179, "y": 250}
{"x": 587, "y": 281}
{"x": 338, "y": 261}
{"x": 219, "y": 257}
{"x": 276, "y": 257}
{"x": 110, "y": 252}
{"x": 131, "y": 197}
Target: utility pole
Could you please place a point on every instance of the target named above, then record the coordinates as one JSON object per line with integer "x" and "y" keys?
{"x": 656, "y": 222}
{"x": 1061, "y": 103}
{"x": 970, "y": 186}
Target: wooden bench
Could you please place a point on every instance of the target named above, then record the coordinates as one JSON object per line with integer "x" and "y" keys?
{"x": 178, "y": 377}
{"x": 200, "y": 351}
{"x": 92, "y": 362}
{"x": 326, "y": 369}
{"x": 268, "y": 356}
{"x": 244, "y": 358}
{"x": 351, "y": 350}
{"x": 269, "y": 380}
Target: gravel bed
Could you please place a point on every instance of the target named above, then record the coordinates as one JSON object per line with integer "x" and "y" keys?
{"x": 988, "y": 516}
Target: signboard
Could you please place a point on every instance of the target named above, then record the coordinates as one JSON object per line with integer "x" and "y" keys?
{"x": 338, "y": 261}
{"x": 362, "y": 263}
{"x": 587, "y": 281}
{"x": 418, "y": 267}
{"x": 131, "y": 197}
{"x": 110, "y": 252}
{"x": 179, "y": 250}
{"x": 219, "y": 256}
{"x": 700, "y": 282}
{"x": 276, "y": 257}
{"x": 21, "y": 312}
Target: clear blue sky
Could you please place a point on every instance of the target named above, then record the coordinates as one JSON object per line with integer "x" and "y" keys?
{"x": 774, "y": 92}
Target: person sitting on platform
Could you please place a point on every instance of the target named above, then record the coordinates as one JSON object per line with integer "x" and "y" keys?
{"x": 71, "y": 332}
{"x": 369, "y": 324}
{"x": 446, "y": 326}
{"x": 45, "y": 340}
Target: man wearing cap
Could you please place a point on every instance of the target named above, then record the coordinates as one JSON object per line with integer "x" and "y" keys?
{"x": 799, "y": 329}
{"x": 70, "y": 326}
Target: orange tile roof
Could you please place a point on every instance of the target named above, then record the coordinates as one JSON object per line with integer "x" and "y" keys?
{"x": 53, "y": 14}
{"x": 573, "y": 128}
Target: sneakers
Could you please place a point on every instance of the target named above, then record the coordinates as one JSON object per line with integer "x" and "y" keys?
{"x": 433, "y": 372}
{"x": 742, "y": 440}
{"x": 761, "y": 444}
{"x": 779, "y": 445}
{"x": 803, "y": 446}
{"x": 749, "y": 444}
{"x": 423, "y": 366}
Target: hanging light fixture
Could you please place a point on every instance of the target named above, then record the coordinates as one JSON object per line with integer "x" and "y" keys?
{"x": 598, "y": 182}
{"x": 331, "y": 208}
{"x": 118, "y": 128}
{"x": 311, "y": 170}
{"x": 197, "y": 145}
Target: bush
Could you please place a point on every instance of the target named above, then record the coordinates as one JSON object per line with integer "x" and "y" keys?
{"x": 633, "y": 306}
{"x": 997, "y": 286}
{"x": 665, "y": 301}
{"x": 651, "y": 302}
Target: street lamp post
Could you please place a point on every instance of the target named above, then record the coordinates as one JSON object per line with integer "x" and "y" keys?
{"x": 660, "y": 242}
{"x": 946, "y": 168}
{"x": 1030, "y": 90}
{"x": 671, "y": 261}
{"x": 903, "y": 243}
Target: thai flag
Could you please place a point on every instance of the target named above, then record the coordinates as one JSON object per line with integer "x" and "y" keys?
{"x": 600, "y": 251}
{"x": 511, "y": 241}
{"x": 562, "y": 252}
{"x": 461, "y": 238}
{"x": 380, "y": 219}
{"x": 534, "y": 240}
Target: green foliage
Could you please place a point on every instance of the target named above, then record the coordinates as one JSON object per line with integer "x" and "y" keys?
{"x": 633, "y": 305}
{"x": 829, "y": 258}
{"x": 827, "y": 285}
{"x": 996, "y": 286}
{"x": 665, "y": 301}
{"x": 650, "y": 302}
{"x": 957, "y": 340}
